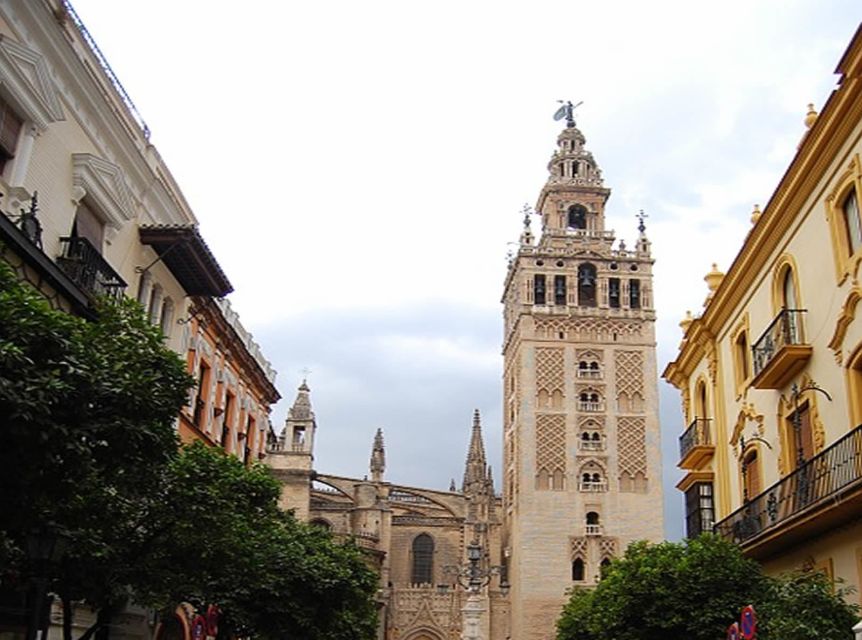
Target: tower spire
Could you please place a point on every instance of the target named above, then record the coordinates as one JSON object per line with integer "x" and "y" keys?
{"x": 476, "y": 469}
{"x": 378, "y": 458}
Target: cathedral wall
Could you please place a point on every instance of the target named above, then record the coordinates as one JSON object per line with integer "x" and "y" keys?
{"x": 448, "y": 541}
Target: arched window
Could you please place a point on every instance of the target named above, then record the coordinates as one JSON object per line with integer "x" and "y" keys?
{"x": 577, "y": 218}
{"x": 167, "y": 318}
{"x": 752, "y": 474}
{"x": 320, "y": 524}
{"x": 578, "y": 570}
{"x": 592, "y": 517}
{"x": 788, "y": 290}
{"x": 852, "y": 225}
{"x": 587, "y": 285}
{"x": 423, "y": 559}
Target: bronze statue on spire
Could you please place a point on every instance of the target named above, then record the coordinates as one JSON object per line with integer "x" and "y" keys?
{"x": 567, "y": 111}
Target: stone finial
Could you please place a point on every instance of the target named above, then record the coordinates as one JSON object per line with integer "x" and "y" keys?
{"x": 378, "y": 458}
{"x": 810, "y": 116}
{"x": 755, "y": 214}
{"x": 713, "y": 278}
{"x": 685, "y": 323}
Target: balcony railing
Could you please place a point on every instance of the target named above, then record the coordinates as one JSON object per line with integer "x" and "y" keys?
{"x": 695, "y": 439}
{"x": 593, "y": 374}
{"x": 780, "y": 352}
{"x": 593, "y": 486}
{"x": 88, "y": 269}
{"x": 591, "y": 445}
{"x": 594, "y": 529}
{"x": 590, "y": 407}
{"x": 818, "y": 482}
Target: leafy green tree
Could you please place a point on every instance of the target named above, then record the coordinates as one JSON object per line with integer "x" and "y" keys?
{"x": 90, "y": 453}
{"x": 88, "y": 410}
{"x": 696, "y": 589}
{"x": 219, "y": 537}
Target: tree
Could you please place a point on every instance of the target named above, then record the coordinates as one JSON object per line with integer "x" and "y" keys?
{"x": 90, "y": 454}
{"x": 696, "y": 589}
{"x": 219, "y": 538}
{"x": 87, "y": 430}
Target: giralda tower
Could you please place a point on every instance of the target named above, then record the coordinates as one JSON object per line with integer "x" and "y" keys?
{"x": 581, "y": 454}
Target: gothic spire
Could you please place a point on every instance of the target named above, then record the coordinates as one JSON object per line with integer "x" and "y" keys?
{"x": 378, "y": 458}
{"x": 476, "y": 470}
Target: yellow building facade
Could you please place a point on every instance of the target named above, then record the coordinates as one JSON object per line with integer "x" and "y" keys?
{"x": 770, "y": 373}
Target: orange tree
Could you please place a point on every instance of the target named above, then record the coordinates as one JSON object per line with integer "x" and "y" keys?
{"x": 696, "y": 589}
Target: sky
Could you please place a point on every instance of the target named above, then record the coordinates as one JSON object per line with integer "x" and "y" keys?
{"x": 359, "y": 168}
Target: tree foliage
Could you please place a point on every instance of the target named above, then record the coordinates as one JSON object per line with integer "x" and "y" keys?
{"x": 696, "y": 589}
{"x": 219, "y": 537}
{"x": 90, "y": 453}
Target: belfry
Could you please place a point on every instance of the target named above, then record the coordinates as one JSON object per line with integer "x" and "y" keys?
{"x": 581, "y": 455}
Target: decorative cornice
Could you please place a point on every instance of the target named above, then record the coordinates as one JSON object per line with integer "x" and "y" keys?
{"x": 104, "y": 185}
{"x": 25, "y": 75}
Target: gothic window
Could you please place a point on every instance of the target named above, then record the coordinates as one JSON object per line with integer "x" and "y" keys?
{"x": 539, "y": 289}
{"x": 634, "y": 294}
{"x": 587, "y": 285}
{"x": 560, "y": 290}
{"x": 614, "y": 293}
{"x": 852, "y": 223}
{"x": 578, "y": 570}
{"x": 10, "y": 128}
{"x": 423, "y": 559}
{"x": 577, "y": 218}
{"x": 699, "y": 509}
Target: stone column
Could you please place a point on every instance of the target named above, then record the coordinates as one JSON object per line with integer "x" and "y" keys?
{"x": 473, "y": 610}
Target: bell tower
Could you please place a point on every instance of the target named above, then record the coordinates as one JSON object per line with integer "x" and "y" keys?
{"x": 581, "y": 455}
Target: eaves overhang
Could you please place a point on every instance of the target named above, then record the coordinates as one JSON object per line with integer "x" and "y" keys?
{"x": 189, "y": 259}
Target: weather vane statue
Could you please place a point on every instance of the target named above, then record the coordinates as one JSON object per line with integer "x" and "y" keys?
{"x": 567, "y": 111}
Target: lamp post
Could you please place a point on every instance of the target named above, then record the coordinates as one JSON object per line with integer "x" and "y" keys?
{"x": 474, "y": 577}
{"x": 44, "y": 548}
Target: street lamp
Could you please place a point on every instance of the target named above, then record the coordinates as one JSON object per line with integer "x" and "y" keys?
{"x": 474, "y": 577}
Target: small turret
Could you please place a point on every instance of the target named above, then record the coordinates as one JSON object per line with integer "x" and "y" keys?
{"x": 298, "y": 433}
{"x": 378, "y": 458}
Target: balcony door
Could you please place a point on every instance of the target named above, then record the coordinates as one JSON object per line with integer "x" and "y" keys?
{"x": 802, "y": 437}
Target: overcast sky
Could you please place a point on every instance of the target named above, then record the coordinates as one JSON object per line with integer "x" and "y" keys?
{"x": 359, "y": 167}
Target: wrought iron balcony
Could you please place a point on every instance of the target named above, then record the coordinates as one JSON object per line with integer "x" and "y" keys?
{"x": 780, "y": 352}
{"x": 695, "y": 444}
{"x": 816, "y": 497}
{"x": 86, "y": 267}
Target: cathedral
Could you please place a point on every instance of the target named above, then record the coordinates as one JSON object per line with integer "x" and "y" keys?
{"x": 581, "y": 455}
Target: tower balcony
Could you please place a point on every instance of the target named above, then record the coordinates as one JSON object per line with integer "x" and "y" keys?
{"x": 781, "y": 352}
{"x": 818, "y": 496}
{"x": 593, "y": 486}
{"x": 591, "y": 407}
{"x": 594, "y": 529}
{"x": 695, "y": 444}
